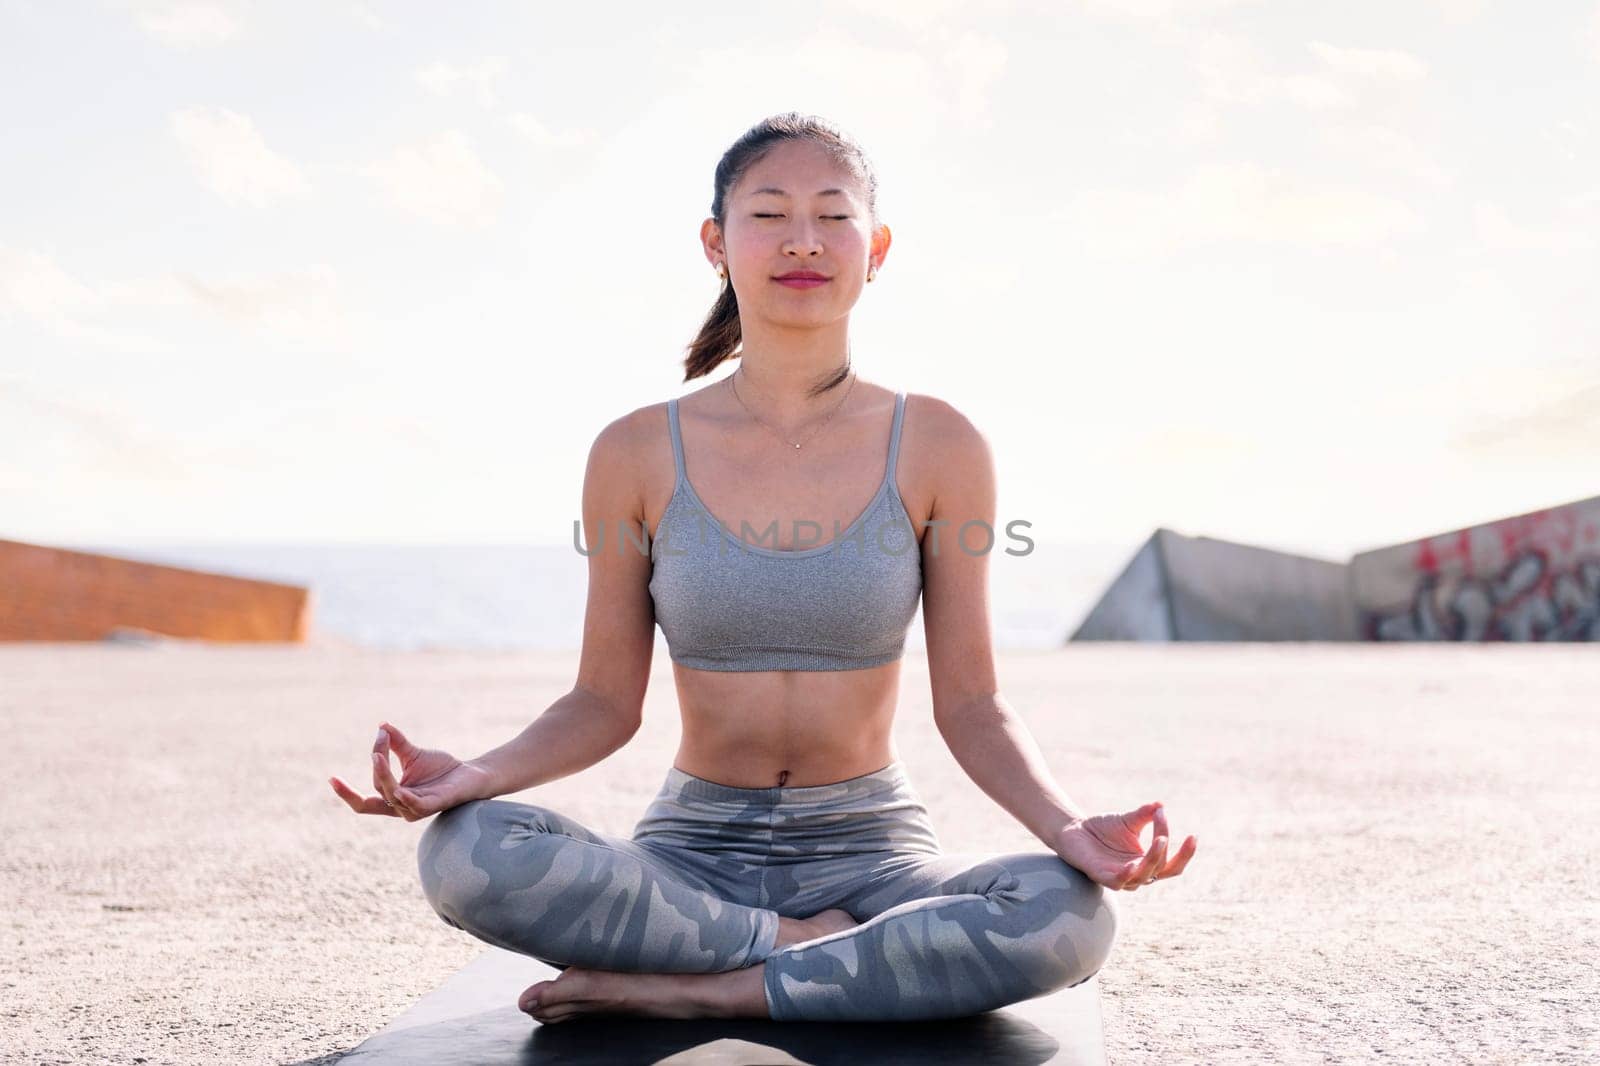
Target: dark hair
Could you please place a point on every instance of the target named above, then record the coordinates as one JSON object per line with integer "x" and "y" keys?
{"x": 719, "y": 335}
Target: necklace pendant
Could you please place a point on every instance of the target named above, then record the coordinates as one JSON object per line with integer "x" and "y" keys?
{"x": 797, "y": 445}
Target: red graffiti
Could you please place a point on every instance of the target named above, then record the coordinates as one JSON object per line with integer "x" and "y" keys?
{"x": 1527, "y": 600}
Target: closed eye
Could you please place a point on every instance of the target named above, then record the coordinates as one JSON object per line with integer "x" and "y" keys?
{"x": 841, "y": 217}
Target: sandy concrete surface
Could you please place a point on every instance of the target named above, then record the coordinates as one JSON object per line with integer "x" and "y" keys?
{"x": 1397, "y": 858}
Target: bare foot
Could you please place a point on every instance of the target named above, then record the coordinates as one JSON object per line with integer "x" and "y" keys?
{"x": 578, "y": 991}
{"x": 729, "y": 994}
{"x": 830, "y": 921}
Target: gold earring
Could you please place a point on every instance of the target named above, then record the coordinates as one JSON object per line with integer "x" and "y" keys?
{"x": 722, "y": 272}
{"x": 871, "y": 271}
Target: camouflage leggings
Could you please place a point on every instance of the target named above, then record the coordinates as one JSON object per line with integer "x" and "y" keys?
{"x": 710, "y": 867}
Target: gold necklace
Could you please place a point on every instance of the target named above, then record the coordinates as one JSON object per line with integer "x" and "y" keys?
{"x": 786, "y": 440}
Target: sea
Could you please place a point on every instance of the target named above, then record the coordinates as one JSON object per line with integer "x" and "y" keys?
{"x": 509, "y": 597}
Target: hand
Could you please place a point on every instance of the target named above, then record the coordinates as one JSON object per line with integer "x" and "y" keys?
{"x": 430, "y": 780}
{"x": 1106, "y": 848}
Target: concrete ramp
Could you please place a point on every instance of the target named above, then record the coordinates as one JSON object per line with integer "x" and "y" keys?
{"x": 1200, "y": 588}
{"x": 1531, "y": 577}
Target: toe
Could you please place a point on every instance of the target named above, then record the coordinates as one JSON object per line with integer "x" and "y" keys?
{"x": 532, "y": 996}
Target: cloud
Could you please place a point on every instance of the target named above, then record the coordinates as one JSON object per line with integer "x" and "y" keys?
{"x": 1459, "y": 11}
{"x": 978, "y": 59}
{"x": 1381, "y": 63}
{"x": 1314, "y": 93}
{"x": 534, "y": 129}
{"x": 1231, "y": 202}
{"x": 368, "y": 16}
{"x": 1566, "y": 425}
{"x": 80, "y": 438}
{"x": 1193, "y": 444}
{"x": 1586, "y": 205}
{"x": 1496, "y": 230}
{"x": 187, "y": 23}
{"x": 1232, "y": 69}
{"x": 301, "y": 304}
{"x": 33, "y": 287}
{"x": 480, "y": 76}
{"x": 230, "y": 157}
{"x": 1387, "y": 148}
{"x": 442, "y": 180}
{"x": 1158, "y": 9}
{"x": 847, "y": 80}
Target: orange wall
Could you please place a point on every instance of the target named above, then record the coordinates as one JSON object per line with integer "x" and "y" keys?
{"x": 55, "y": 594}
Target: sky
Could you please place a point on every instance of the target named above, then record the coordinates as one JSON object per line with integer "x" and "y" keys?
{"x": 1309, "y": 276}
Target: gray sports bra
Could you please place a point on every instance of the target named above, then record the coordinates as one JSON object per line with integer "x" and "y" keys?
{"x": 726, "y": 601}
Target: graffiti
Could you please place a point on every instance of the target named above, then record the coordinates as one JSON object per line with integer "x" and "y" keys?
{"x": 1527, "y": 600}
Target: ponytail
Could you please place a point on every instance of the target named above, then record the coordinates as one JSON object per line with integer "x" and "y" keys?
{"x": 718, "y": 337}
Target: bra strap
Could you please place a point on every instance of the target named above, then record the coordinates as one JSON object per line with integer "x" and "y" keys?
{"x": 677, "y": 436}
{"x": 894, "y": 434}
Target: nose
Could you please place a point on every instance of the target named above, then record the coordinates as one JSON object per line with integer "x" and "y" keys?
{"x": 806, "y": 242}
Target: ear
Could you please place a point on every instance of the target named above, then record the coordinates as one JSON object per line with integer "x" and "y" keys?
{"x": 711, "y": 242}
{"x": 881, "y": 238}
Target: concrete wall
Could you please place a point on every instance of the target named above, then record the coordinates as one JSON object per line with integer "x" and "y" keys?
{"x": 1221, "y": 590}
{"x": 1201, "y": 588}
{"x": 1532, "y": 577}
{"x": 1135, "y": 606}
{"x": 55, "y": 594}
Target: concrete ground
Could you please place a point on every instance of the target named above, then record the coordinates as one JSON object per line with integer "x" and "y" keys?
{"x": 1396, "y": 848}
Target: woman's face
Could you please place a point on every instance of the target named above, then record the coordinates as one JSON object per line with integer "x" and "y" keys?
{"x": 796, "y": 210}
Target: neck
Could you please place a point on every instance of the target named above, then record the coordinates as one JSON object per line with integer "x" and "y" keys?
{"x": 784, "y": 369}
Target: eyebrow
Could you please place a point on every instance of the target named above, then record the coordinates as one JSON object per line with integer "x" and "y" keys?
{"x": 779, "y": 192}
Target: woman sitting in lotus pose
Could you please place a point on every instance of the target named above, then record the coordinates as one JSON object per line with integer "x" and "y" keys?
{"x": 787, "y": 868}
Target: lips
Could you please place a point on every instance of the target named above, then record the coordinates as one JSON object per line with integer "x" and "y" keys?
{"x": 803, "y": 275}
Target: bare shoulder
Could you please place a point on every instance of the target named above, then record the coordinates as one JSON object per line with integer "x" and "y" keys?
{"x": 623, "y": 460}
{"x": 947, "y": 467}
{"x": 942, "y": 432}
{"x": 630, "y": 437}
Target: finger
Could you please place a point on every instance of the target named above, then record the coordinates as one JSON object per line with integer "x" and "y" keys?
{"x": 351, "y": 797}
{"x": 391, "y": 793}
{"x": 359, "y": 803}
{"x": 1137, "y": 817}
{"x": 1158, "y": 849}
{"x": 1181, "y": 859}
{"x": 405, "y": 801}
{"x": 382, "y": 777}
{"x": 1146, "y": 867}
{"x": 415, "y": 803}
{"x": 397, "y": 740}
{"x": 1158, "y": 859}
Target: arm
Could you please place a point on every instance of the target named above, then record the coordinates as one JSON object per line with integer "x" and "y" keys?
{"x": 572, "y": 734}
{"x": 989, "y": 741}
{"x": 606, "y": 705}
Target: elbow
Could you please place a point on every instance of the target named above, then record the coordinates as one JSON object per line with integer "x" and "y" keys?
{"x": 958, "y": 730}
{"x": 960, "y": 713}
{"x": 627, "y": 726}
{"x": 624, "y": 716}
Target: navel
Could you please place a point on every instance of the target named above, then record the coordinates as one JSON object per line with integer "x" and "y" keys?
{"x": 783, "y": 775}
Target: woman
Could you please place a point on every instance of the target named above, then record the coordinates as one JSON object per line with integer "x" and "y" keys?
{"x": 787, "y": 868}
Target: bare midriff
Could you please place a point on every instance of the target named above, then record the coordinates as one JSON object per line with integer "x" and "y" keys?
{"x": 786, "y": 728}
